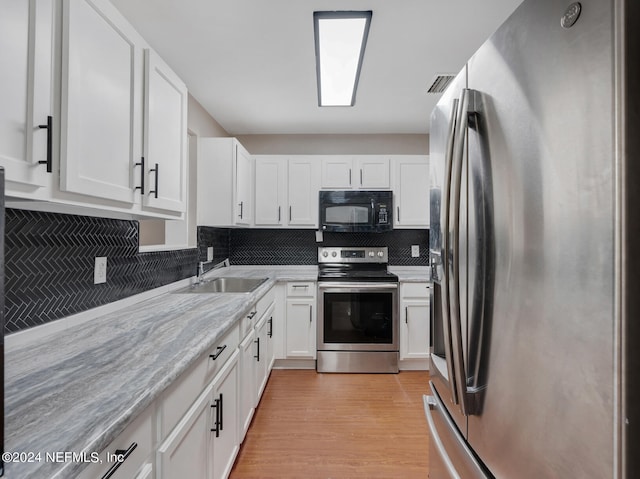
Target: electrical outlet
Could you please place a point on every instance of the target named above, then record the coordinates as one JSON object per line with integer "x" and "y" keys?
{"x": 100, "y": 270}
{"x": 210, "y": 253}
{"x": 415, "y": 251}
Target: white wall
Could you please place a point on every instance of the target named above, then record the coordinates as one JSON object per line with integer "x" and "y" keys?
{"x": 336, "y": 144}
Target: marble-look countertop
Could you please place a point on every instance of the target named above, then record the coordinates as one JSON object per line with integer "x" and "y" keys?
{"x": 412, "y": 274}
{"x": 76, "y": 390}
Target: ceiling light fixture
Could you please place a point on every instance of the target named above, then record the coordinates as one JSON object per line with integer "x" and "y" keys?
{"x": 340, "y": 41}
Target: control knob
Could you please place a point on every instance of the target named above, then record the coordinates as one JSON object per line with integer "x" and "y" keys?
{"x": 380, "y": 254}
{"x": 371, "y": 254}
{"x": 325, "y": 254}
{"x": 334, "y": 254}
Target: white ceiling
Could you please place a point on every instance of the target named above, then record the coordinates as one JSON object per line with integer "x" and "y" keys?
{"x": 251, "y": 63}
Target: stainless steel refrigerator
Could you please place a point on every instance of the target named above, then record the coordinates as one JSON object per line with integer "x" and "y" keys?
{"x": 535, "y": 247}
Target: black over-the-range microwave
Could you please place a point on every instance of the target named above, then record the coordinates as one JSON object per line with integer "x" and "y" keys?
{"x": 356, "y": 211}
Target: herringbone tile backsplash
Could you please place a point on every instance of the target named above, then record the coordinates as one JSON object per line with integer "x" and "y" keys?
{"x": 49, "y": 259}
{"x": 49, "y": 263}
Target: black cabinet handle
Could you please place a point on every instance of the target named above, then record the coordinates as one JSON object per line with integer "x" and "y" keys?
{"x": 218, "y": 352}
{"x": 257, "y": 356}
{"x": 279, "y": 208}
{"x": 289, "y": 213}
{"x": 406, "y": 315}
{"x": 141, "y": 165}
{"x": 216, "y": 424}
{"x": 157, "y": 171}
{"x": 49, "y": 127}
{"x": 221, "y": 415}
{"x": 241, "y": 205}
{"x": 398, "y": 211}
{"x": 253, "y": 313}
{"x": 360, "y": 176}
{"x": 270, "y": 333}
{"x": 125, "y": 454}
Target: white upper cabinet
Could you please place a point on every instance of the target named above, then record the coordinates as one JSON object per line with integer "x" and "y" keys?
{"x": 355, "y": 172}
{"x": 411, "y": 191}
{"x": 165, "y": 136}
{"x": 303, "y": 186}
{"x": 270, "y": 191}
{"x": 26, "y": 56}
{"x": 224, "y": 181}
{"x": 286, "y": 191}
{"x": 101, "y": 101}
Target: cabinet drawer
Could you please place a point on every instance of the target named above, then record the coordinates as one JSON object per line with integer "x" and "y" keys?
{"x": 140, "y": 432}
{"x": 181, "y": 394}
{"x": 414, "y": 290}
{"x": 265, "y": 302}
{"x": 301, "y": 289}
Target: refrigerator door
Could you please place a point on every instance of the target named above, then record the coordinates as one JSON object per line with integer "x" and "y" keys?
{"x": 542, "y": 138}
{"x": 442, "y": 140}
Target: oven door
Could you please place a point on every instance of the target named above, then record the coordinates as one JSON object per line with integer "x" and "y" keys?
{"x": 357, "y": 316}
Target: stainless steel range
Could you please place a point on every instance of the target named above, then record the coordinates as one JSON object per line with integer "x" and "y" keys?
{"x": 357, "y": 311}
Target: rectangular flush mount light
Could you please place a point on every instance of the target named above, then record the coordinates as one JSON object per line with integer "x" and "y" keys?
{"x": 340, "y": 41}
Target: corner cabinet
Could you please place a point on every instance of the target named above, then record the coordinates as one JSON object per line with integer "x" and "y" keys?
{"x": 411, "y": 191}
{"x": 165, "y": 137}
{"x": 224, "y": 182}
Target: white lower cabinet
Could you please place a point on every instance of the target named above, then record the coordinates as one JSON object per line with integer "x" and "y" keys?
{"x": 414, "y": 321}
{"x": 205, "y": 443}
{"x": 225, "y": 434}
{"x": 300, "y": 320}
{"x": 247, "y": 381}
{"x": 128, "y": 456}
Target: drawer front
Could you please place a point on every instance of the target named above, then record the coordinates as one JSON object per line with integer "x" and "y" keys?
{"x": 248, "y": 322}
{"x": 139, "y": 432}
{"x": 414, "y": 290}
{"x": 301, "y": 289}
{"x": 265, "y": 302}
{"x": 181, "y": 394}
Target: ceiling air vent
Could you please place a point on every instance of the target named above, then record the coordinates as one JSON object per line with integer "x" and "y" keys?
{"x": 440, "y": 83}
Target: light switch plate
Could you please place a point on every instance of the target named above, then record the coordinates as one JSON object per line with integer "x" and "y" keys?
{"x": 415, "y": 251}
{"x": 100, "y": 270}
{"x": 210, "y": 253}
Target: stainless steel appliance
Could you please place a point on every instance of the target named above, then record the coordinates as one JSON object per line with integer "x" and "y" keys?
{"x": 357, "y": 311}
{"x": 2, "y": 225}
{"x": 356, "y": 211}
{"x": 534, "y": 221}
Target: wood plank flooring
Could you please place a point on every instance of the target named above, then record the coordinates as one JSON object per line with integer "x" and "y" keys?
{"x": 311, "y": 425}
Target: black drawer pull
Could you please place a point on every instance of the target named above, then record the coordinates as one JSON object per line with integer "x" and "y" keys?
{"x": 218, "y": 353}
{"x": 217, "y": 423}
{"x": 257, "y": 356}
{"x": 49, "y": 127}
{"x": 125, "y": 454}
{"x": 270, "y": 333}
{"x": 253, "y": 313}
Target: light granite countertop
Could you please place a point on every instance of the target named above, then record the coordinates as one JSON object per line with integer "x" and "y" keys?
{"x": 76, "y": 390}
{"x": 412, "y": 274}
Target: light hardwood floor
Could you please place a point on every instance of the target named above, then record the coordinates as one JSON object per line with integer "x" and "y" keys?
{"x": 339, "y": 426}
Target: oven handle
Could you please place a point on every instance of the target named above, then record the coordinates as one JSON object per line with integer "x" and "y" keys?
{"x": 352, "y": 285}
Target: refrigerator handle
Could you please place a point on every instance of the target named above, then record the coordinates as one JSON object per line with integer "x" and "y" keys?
{"x": 453, "y": 264}
{"x": 446, "y": 317}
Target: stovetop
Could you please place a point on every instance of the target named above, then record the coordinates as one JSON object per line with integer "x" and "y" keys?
{"x": 354, "y": 264}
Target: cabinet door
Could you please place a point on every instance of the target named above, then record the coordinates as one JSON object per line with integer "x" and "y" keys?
{"x": 412, "y": 193}
{"x": 101, "y": 101}
{"x": 185, "y": 453}
{"x": 270, "y": 191}
{"x": 262, "y": 357}
{"x": 226, "y": 441}
{"x": 165, "y": 136}
{"x": 26, "y": 82}
{"x": 414, "y": 330}
{"x": 373, "y": 173}
{"x": 303, "y": 192}
{"x": 247, "y": 382}
{"x": 301, "y": 329}
{"x": 243, "y": 186}
{"x": 337, "y": 172}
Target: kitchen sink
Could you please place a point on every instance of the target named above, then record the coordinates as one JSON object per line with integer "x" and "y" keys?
{"x": 224, "y": 285}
